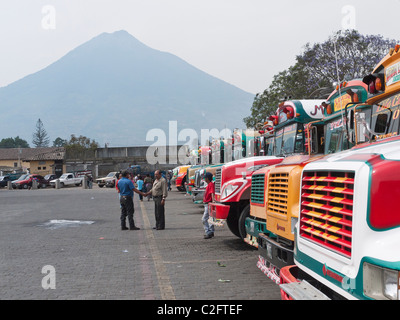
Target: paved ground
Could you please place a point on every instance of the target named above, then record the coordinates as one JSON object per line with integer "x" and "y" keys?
{"x": 98, "y": 261}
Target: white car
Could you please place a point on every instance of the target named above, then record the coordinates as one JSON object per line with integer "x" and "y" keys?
{"x": 67, "y": 179}
{"x": 101, "y": 182}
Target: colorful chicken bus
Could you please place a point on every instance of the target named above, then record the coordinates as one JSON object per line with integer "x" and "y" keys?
{"x": 348, "y": 235}
{"x": 290, "y": 139}
{"x": 180, "y": 176}
{"x": 191, "y": 175}
{"x": 232, "y": 181}
{"x": 273, "y": 229}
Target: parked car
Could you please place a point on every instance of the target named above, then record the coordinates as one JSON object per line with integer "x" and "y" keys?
{"x": 21, "y": 178}
{"x": 47, "y": 179}
{"x": 15, "y": 176}
{"x": 68, "y": 179}
{"x": 28, "y": 181}
{"x": 101, "y": 182}
{"x": 4, "y": 180}
{"x": 110, "y": 183}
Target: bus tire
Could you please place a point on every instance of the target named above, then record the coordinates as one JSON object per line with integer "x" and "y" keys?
{"x": 233, "y": 220}
{"x": 242, "y": 220}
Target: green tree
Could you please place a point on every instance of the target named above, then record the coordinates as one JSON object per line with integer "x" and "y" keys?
{"x": 80, "y": 147}
{"x": 40, "y": 137}
{"x": 81, "y": 143}
{"x": 346, "y": 55}
{"x": 59, "y": 142}
{"x": 16, "y": 142}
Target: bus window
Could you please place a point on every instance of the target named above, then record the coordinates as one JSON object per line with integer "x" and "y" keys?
{"x": 334, "y": 142}
{"x": 381, "y": 123}
{"x": 269, "y": 147}
{"x": 289, "y": 139}
{"x": 385, "y": 118}
{"x": 299, "y": 143}
{"x": 278, "y": 141}
{"x": 334, "y": 136}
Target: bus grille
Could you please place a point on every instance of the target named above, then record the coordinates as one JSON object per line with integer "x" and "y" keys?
{"x": 278, "y": 186}
{"x": 326, "y": 212}
{"x": 257, "y": 188}
{"x": 218, "y": 180}
{"x": 197, "y": 179}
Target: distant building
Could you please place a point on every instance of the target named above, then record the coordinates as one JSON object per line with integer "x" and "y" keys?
{"x": 49, "y": 161}
{"x": 35, "y": 160}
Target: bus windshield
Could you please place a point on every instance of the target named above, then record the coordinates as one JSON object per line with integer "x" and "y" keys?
{"x": 269, "y": 146}
{"x": 334, "y": 133}
{"x": 285, "y": 140}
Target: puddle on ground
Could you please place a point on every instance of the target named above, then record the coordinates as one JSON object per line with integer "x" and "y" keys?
{"x": 58, "y": 224}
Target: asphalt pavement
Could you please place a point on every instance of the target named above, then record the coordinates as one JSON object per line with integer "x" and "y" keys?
{"x": 67, "y": 244}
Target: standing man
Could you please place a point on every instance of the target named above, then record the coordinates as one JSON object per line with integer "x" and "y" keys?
{"x": 159, "y": 191}
{"x": 207, "y": 198}
{"x": 126, "y": 189}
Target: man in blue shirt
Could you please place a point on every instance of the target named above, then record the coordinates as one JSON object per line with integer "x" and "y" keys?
{"x": 126, "y": 189}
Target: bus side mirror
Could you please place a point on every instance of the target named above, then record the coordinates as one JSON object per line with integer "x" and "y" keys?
{"x": 362, "y": 132}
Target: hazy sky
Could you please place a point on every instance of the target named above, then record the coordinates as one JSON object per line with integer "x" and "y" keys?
{"x": 244, "y": 42}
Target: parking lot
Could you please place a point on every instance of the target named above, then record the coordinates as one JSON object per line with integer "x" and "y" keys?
{"x": 67, "y": 244}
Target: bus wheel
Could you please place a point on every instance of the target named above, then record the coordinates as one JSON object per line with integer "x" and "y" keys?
{"x": 242, "y": 220}
{"x": 233, "y": 220}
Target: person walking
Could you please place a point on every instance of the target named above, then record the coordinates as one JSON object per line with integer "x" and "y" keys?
{"x": 140, "y": 185}
{"x": 169, "y": 177}
{"x": 126, "y": 189}
{"x": 118, "y": 177}
{"x": 207, "y": 198}
{"x": 89, "y": 181}
{"x": 159, "y": 191}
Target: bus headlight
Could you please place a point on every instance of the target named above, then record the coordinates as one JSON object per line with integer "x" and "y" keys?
{"x": 380, "y": 283}
{"x": 230, "y": 189}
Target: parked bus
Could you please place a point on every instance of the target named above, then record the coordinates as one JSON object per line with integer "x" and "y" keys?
{"x": 348, "y": 235}
{"x": 282, "y": 192}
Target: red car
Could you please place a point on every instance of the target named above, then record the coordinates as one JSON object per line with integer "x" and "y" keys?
{"x": 27, "y": 181}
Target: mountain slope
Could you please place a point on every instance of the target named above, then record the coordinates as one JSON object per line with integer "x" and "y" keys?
{"x": 114, "y": 89}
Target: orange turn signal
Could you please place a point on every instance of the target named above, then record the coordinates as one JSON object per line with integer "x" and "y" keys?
{"x": 378, "y": 84}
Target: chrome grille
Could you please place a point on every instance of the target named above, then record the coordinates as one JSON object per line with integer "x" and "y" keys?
{"x": 197, "y": 179}
{"x": 218, "y": 180}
